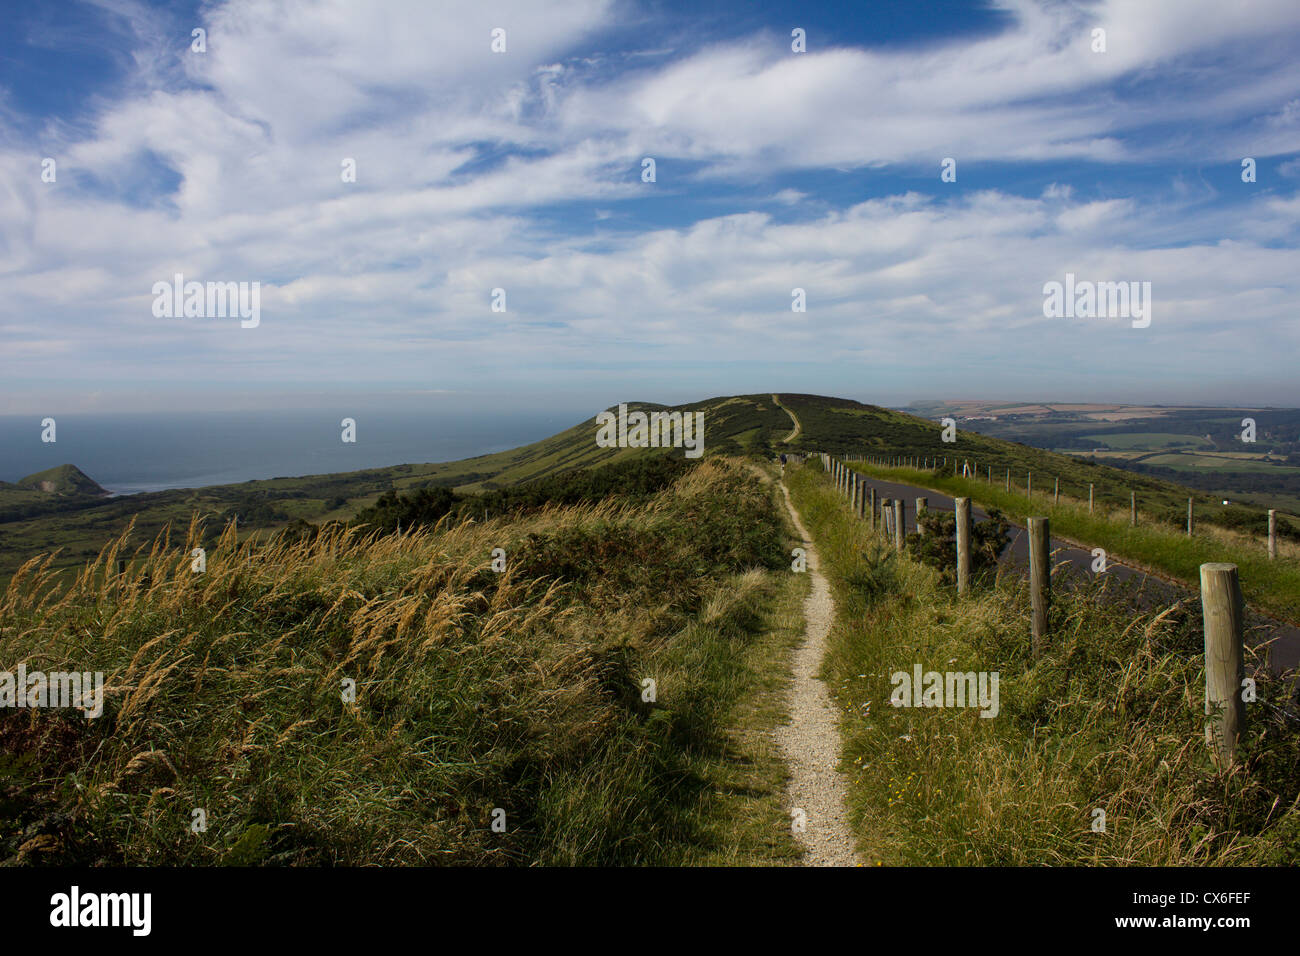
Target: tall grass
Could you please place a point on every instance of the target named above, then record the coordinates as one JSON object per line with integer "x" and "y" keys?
{"x": 1109, "y": 719}
{"x": 475, "y": 691}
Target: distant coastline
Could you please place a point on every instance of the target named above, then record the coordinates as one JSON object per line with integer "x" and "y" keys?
{"x": 137, "y": 453}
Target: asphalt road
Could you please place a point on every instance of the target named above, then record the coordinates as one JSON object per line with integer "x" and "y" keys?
{"x": 1068, "y": 559}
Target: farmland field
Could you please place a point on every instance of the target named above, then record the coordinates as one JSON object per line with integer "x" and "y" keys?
{"x": 1191, "y": 462}
{"x": 1149, "y": 441}
{"x": 1211, "y": 449}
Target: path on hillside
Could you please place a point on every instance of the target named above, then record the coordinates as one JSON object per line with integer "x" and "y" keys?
{"x": 1069, "y": 558}
{"x": 798, "y": 428}
{"x": 811, "y": 741}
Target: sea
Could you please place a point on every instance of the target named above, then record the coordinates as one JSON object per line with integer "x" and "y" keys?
{"x": 133, "y": 453}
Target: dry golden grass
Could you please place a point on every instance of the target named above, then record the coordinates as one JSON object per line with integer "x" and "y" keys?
{"x": 473, "y": 690}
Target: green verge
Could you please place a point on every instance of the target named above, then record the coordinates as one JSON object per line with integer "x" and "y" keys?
{"x": 474, "y": 691}
{"x": 1109, "y": 719}
{"x": 1272, "y": 586}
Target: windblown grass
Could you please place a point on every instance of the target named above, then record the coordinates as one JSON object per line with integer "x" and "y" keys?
{"x": 474, "y": 691}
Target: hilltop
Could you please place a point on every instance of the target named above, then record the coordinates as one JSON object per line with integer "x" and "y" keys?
{"x": 62, "y": 480}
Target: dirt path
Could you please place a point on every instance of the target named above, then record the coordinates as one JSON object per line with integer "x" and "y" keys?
{"x": 810, "y": 743}
{"x": 793, "y": 417}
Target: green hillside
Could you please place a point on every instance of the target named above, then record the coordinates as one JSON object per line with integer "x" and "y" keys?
{"x": 34, "y": 522}
{"x": 59, "y": 489}
{"x": 62, "y": 480}
{"x": 848, "y": 428}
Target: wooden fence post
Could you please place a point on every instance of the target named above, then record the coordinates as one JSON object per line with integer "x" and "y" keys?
{"x": 963, "y": 544}
{"x": 1040, "y": 578}
{"x": 1272, "y": 533}
{"x": 1189, "y": 517}
{"x": 1133, "y": 516}
{"x": 900, "y": 524}
{"x": 1029, "y": 484}
{"x": 1221, "y": 609}
{"x": 921, "y": 505}
{"x": 1008, "y": 479}
{"x": 1056, "y": 493}
{"x": 1089, "y": 498}
{"x": 887, "y": 518}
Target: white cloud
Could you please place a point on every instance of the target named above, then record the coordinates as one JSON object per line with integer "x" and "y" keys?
{"x": 460, "y": 152}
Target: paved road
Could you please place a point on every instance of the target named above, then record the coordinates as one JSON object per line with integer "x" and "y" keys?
{"x": 1285, "y": 652}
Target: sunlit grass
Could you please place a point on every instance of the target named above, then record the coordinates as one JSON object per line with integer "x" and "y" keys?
{"x": 1109, "y": 719}
{"x": 474, "y": 691}
{"x": 1271, "y": 585}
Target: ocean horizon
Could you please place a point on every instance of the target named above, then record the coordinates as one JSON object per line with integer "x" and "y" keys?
{"x": 156, "y": 451}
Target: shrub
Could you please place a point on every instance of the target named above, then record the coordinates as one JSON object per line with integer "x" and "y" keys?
{"x": 937, "y": 547}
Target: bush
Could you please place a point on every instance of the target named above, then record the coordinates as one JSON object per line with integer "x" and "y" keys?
{"x": 937, "y": 547}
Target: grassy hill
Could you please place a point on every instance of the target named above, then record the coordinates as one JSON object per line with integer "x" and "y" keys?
{"x": 60, "y": 489}
{"x": 474, "y": 692}
{"x": 33, "y": 522}
{"x": 751, "y": 425}
{"x": 62, "y": 480}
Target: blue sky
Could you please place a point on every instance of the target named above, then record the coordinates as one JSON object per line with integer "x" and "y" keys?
{"x": 521, "y": 170}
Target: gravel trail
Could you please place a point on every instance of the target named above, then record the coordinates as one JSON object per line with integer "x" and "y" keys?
{"x": 811, "y": 741}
